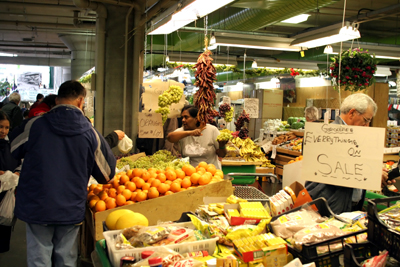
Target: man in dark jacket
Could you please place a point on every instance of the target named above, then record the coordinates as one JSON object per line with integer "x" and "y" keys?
{"x": 357, "y": 109}
{"x": 13, "y": 111}
{"x": 61, "y": 150}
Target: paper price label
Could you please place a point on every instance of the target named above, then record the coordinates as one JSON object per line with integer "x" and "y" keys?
{"x": 226, "y": 99}
{"x": 150, "y": 125}
{"x": 273, "y": 152}
{"x": 251, "y": 107}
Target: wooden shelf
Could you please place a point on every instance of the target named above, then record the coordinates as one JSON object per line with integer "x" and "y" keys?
{"x": 287, "y": 151}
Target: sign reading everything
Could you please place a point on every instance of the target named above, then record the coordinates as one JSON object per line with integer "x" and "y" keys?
{"x": 251, "y": 107}
{"x": 150, "y": 125}
{"x": 343, "y": 155}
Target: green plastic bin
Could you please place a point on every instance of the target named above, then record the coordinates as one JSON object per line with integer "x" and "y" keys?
{"x": 240, "y": 180}
{"x": 101, "y": 249}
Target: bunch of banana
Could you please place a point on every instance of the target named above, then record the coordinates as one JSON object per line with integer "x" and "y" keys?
{"x": 251, "y": 152}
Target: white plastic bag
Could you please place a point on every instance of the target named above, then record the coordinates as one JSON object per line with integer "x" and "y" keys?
{"x": 7, "y": 208}
{"x": 125, "y": 145}
{"x": 8, "y": 180}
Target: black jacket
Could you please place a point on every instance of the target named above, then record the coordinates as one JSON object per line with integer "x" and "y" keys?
{"x": 14, "y": 112}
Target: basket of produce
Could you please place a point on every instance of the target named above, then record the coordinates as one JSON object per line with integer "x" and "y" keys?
{"x": 179, "y": 237}
{"x": 251, "y": 194}
{"x": 316, "y": 236}
{"x": 384, "y": 226}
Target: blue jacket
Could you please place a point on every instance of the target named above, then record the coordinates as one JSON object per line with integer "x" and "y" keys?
{"x": 61, "y": 150}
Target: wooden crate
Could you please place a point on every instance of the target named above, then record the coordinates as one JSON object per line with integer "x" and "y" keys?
{"x": 333, "y": 103}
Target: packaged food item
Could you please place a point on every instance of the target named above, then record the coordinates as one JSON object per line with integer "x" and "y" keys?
{"x": 153, "y": 234}
{"x": 234, "y": 199}
{"x": 316, "y": 233}
{"x": 377, "y": 261}
{"x": 176, "y": 235}
{"x": 127, "y": 261}
{"x": 275, "y": 206}
{"x": 147, "y": 253}
{"x": 288, "y": 198}
{"x": 202, "y": 253}
{"x": 289, "y": 190}
{"x": 155, "y": 262}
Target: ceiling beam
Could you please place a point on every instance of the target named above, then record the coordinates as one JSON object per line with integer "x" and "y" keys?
{"x": 51, "y": 25}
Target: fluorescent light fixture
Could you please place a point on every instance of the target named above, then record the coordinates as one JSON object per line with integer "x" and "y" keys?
{"x": 7, "y": 55}
{"x": 191, "y": 11}
{"x": 296, "y": 19}
{"x": 213, "y": 40}
{"x": 259, "y": 47}
{"x": 328, "y": 35}
{"x": 382, "y": 71}
{"x": 328, "y": 49}
{"x": 387, "y": 57}
{"x": 254, "y": 64}
{"x": 275, "y": 80}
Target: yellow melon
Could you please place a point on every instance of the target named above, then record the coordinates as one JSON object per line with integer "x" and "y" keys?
{"x": 129, "y": 220}
{"x": 113, "y": 217}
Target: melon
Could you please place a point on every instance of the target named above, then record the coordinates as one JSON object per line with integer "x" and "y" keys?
{"x": 129, "y": 220}
{"x": 113, "y": 217}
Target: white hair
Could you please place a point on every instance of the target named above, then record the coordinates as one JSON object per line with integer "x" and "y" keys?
{"x": 359, "y": 102}
{"x": 15, "y": 97}
{"x": 311, "y": 113}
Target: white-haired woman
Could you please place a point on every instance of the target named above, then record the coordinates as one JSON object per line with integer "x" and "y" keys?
{"x": 311, "y": 114}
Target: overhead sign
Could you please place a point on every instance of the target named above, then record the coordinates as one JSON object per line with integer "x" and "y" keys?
{"x": 251, "y": 107}
{"x": 150, "y": 125}
{"x": 343, "y": 155}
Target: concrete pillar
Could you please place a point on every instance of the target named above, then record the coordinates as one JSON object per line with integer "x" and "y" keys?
{"x": 66, "y": 74}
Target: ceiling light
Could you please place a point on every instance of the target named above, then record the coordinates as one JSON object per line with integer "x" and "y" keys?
{"x": 7, "y": 55}
{"x": 254, "y": 64}
{"x": 212, "y": 40}
{"x": 382, "y": 71}
{"x": 387, "y": 57}
{"x": 195, "y": 9}
{"x": 328, "y": 35}
{"x": 258, "y": 47}
{"x": 328, "y": 49}
{"x": 296, "y": 19}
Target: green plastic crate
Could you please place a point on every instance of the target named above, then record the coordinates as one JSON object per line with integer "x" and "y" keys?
{"x": 242, "y": 169}
{"x": 102, "y": 252}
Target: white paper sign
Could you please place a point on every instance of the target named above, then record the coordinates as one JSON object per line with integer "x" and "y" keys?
{"x": 273, "y": 155}
{"x": 150, "y": 125}
{"x": 251, "y": 107}
{"x": 292, "y": 173}
{"x": 343, "y": 155}
{"x": 226, "y": 99}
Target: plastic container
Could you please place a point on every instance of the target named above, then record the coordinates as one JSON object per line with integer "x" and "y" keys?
{"x": 251, "y": 194}
{"x": 354, "y": 254}
{"x": 101, "y": 250}
{"x": 147, "y": 253}
{"x": 238, "y": 179}
{"x": 309, "y": 252}
{"x": 155, "y": 262}
{"x": 378, "y": 233}
{"x": 115, "y": 255}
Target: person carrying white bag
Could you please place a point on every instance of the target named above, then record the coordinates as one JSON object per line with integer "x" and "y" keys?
{"x": 8, "y": 183}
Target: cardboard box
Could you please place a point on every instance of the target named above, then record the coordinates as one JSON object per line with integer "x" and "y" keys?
{"x": 135, "y": 156}
{"x": 267, "y": 254}
{"x": 166, "y": 208}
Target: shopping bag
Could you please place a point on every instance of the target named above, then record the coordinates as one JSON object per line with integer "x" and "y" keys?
{"x": 7, "y": 206}
{"x": 8, "y": 181}
{"x": 125, "y": 145}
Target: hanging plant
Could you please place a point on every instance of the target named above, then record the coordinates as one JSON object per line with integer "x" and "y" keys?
{"x": 357, "y": 70}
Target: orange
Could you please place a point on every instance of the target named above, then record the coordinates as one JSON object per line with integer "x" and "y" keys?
{"x": 135, "y": 179}
{"x": 90, "y": 194}
{"x": 204, "y": 180}
{"x": 121, "y": 173}
{"x": 156, "y": 183}
{"x": 102, "y": 195}
{"x": 146, "y": 186}
{"x": 124, "y": 179}
{"x": 111, "y": 203}
{"x": 168, "y": 193}
{"x": 159, "y": 171}
{"x": 186, "y": 183}
{"x": 107, "y": 186}
{"x": 209, "y": 174}
{"x": 175, "y": 187}
{"x": 141, "y": 196}
{"x": 203, "y": 164}
{"x": 100, "y": 206}
{"x": 153, "y": 174}
{"x": 194, "y": 178}
{"x": 219, "y": 174}
{"x": 211, "y": 168}
{"x": 168, "y": 182}
{"x": 151, "y": 180}
{"x": 92, "y": 203}
{"x": 145, "y": 191}
{"x": 182, "y": 189}
{"x": 121, "y": 200}
{"x": 92, "y": 186}
{"x": 138, "y": 172}
{"x": 162, "y": 177}
{"x": 201, "y": 170}
{"x": 170, "y": 174}
{"x": 170, "y": 168}
{"x": 162, "y": 188}
{"x": 115, "y": 182}
{"x": 153, "y": 193}
{"x": 97, "y": 190}
{"x": 151, "y": 169}
{"x": 129, "y": 173}
{"x": 127, "y": 194}
{"x": 189, "y": 170}
{"x": 146, "y": 176}
{"x": 180, "y": 174}
{"x": 129, "y": 202}
{"x": 139, "y": 183}
{"x": 131, "y": 186}
{"x": 133, "y": 197}
{"x": 112, "y": 192}
{"x": 179, "y": 181}
{"x": 120, "y": 189}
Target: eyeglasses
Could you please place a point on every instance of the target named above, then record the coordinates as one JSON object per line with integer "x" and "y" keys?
{"x": 367, "y": 121}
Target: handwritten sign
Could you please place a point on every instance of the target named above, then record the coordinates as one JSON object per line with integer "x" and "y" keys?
{"x": 226, "y": 99}
{"x": 251, "y": 107}
{"x": 150, "y": 125}
{"x": 343, "y": 155}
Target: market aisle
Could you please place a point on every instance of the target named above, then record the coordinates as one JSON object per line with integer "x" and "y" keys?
{"x": 17, "y": 254}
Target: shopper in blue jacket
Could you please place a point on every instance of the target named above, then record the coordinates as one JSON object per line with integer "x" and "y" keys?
{"x": 61, "y": 150}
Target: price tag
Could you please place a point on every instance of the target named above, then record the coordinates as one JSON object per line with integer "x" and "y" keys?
{"x": 273, "y": 152}
{"x": 150, "y": 125}
{"x": 337, "y": 112}
{"x": 327, "y": 116}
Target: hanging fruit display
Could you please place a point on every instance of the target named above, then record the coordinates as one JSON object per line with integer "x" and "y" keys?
{"x": 226, "y": 111}
{"x": 172, "y": 95}
{"x": 244, "y": 117}
{"x": 205, "y": 75}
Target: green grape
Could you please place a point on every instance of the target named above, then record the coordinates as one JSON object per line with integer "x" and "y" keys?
{"x": 224, "y": 135}
{"x": 229, "y": 115}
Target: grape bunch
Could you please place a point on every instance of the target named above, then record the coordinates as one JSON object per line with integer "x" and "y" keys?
{"x": 224, "y": 135}
{"x": 172, "y": 95}
{"x": 243, "y": 133}
{"x": 244, "y": 117}
{"x": 223, "y": 109}
{"x": 164, "y": 113}
{"x": 229, "y": 115}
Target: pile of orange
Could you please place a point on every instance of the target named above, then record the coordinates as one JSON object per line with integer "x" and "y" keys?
{"x": 137, "y": 185}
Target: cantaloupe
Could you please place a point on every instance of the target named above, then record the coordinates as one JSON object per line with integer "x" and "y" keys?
{"x": 128, "y": 220}
{"x": 113, "y": 217}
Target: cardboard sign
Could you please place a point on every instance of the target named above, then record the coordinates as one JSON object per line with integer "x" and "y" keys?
{"x": 343, "y": 155}
{"x": 150, "y": 125}
{"x": 251, "y": 107}
{"x": 226, "y": 99}
{"x": 292, "y": 173}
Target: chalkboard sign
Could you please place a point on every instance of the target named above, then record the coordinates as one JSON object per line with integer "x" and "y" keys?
{"x": 150, "y": 125}
{"x": 343, "y": 155}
